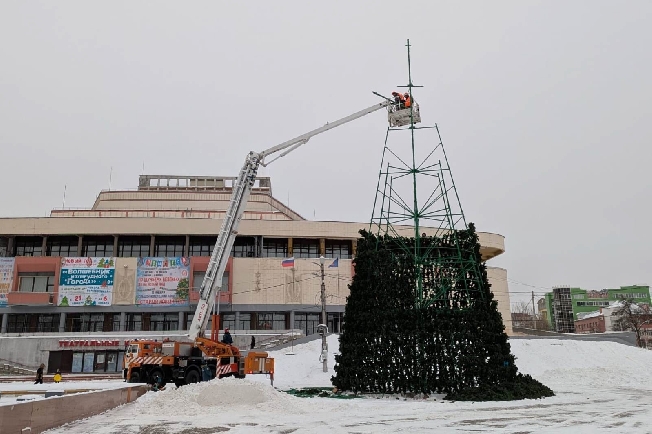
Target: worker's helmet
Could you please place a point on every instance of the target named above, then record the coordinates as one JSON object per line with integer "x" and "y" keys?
{"x": 226, "y": 330}
{"x": 394, "y": 93}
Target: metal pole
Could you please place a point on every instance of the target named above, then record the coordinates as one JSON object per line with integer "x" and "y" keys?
{"x": 324, "y": 320}
{"x": 534, "y": 313}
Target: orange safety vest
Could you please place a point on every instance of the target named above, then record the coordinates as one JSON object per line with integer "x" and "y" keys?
{"x": 401, "y": 97}
{"x": 408, "y": 102}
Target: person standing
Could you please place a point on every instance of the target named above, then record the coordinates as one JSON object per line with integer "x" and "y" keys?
{"x": 226, "y": 338}
{"x": 57, "y": 376}
{"x": 39, "y": 374}
{"x": 253, "y": 342}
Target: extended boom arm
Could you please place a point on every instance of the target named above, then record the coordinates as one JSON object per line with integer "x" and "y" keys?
{"x": 239, "y": 198}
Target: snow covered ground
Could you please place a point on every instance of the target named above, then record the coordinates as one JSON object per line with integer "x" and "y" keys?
{"x": 600, "y": 387}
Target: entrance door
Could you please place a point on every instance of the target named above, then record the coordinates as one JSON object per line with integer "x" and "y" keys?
{"x": 54, "y": 361}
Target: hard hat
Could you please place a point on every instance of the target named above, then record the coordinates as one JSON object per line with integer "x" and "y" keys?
{"x": 226, "y": 330}
{"x": 394, "y": 93}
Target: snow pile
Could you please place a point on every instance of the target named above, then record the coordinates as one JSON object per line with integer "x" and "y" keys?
{"x": 224, "y": 394}
{"x": 559, "y": 364}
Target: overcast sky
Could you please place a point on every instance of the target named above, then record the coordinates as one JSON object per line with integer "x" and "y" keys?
{"x": 542, "y": 107}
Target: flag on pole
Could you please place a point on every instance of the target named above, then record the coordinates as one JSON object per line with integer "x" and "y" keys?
{"x": 288, "y": 263}
{"x": 335, "y": 263}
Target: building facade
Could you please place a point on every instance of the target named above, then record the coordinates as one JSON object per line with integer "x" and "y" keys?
{"x": 133, "y": 262}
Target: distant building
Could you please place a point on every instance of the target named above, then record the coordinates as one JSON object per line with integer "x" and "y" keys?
{"x": 604, "y": 320}
{"x": 577, "y": 301}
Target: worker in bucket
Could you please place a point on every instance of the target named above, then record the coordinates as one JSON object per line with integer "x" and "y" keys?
{"x": 399, "y": 100}
{"x": 227, "y": 339}
{"x": 408, "y": 100}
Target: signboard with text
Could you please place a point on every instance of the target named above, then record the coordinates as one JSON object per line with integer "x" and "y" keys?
{"x": 86, "y": 281}
{"x": 163, "y": 281}
{"x": 6, "y": 278}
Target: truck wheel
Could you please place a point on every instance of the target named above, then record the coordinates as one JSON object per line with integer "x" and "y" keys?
{"x": 193, "y": 377}
{"x": 135, "y": 377}
{"x": 156, "y": 375}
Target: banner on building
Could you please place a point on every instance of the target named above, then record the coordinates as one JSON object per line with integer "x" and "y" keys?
{"x": 163, "y": 281}
{"x": 6, "y": 278}
{"x": 86, "y": 281}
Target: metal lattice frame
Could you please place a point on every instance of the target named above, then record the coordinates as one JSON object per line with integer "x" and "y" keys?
{"x": 417, "y": 188}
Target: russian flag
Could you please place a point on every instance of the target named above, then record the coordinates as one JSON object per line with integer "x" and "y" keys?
{"x": 288, "y": 263}
{"x": 335, "y": 263}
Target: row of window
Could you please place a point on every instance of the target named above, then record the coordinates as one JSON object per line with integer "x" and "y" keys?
{"x": 136, "y": 322}
{"x": 135, "y": 246}
{"x": 593, "y": 303}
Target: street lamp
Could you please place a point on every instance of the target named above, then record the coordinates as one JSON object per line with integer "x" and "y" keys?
{"x": 322, "y": 328}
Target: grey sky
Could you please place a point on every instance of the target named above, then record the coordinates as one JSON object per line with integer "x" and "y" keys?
{"x": 541, "y": 105}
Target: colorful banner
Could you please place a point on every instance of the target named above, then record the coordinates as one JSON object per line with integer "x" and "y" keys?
{"x": 163, "y": 281}
{"x": 86, "y": 281}
{"x": 6, "y": 278}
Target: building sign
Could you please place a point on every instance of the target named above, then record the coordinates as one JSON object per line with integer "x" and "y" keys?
{"x": 6, "y": 278}
{"x": 75, "y": 343}
{"x": 86, "y": 281}
{"x": 597, "y": 294}
{"x": 163, "y": 281}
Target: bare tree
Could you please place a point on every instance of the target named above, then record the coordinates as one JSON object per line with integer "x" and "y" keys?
{"x": 632, "y": 316}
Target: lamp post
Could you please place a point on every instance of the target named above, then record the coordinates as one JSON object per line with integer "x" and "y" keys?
{"x": 324, "y": 319}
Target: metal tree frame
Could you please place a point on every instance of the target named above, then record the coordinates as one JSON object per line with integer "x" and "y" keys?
{"x": 440, "y": 215}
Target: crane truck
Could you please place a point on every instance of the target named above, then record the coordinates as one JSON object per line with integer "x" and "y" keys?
{"x": 199, "y": 358}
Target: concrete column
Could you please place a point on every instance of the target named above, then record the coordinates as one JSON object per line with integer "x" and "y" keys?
{"x": 80, "y": 244}
{"x": 186, "y": 248}
{"x": 5, "y": 318}
{"x": 62, "y": 322}
{"x": 322, "y": 246}
{"x": 291, "y": 319}
{"x": 182, "y": 321}
{"x": 123, "y": 321}
{"x": 152, "y": 241}
{"x": 354, "y": 247}
{"x": 237, "y": 321}
{"x": 115, "y": 246}
{"x": 290, "y": 251}
{"x": 44, "y": 246}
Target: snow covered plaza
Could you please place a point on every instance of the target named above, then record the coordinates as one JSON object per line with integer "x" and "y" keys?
{"x": 600, "y": 387}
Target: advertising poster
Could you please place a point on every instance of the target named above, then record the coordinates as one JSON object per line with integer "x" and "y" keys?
{"x": 163, "y": 281}
{"x": 86, "y": 282}
{"x": 6, "y": 278}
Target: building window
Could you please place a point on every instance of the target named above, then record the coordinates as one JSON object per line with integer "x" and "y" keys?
{"x": 84, "y": 322}
{"x": 169, "y": 246}
{"x": 4, "y": 246}
{"x": 62, "y": 246}
{"x": 164, "y": 322}
{"x": 116, "y": 322}
{"x": 244, "y": 247}
{"x": 245, "y": 321}
{"x": 18, "y": 323}
{"x": 48, "y": 323}
{"x": 305, "y": 248}
{"x": 198, "y": 278}
{"x": 134, "y": 322}
{"x": 97, "y": 247}
{"x": 338, "y": 249}
{"x": 271, "y": 321}
{"x": 228, "y": 321}
{"x": 36, "y": 282}
{"x": 275, "y": 248}
{"x": 201, "y": 246}
{"x": 133, "y": 247}
{"x": 29, "y": 246}
{"x": 306, "y": 322}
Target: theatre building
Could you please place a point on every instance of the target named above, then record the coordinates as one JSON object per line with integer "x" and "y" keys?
{"x": 80, "y": 282}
